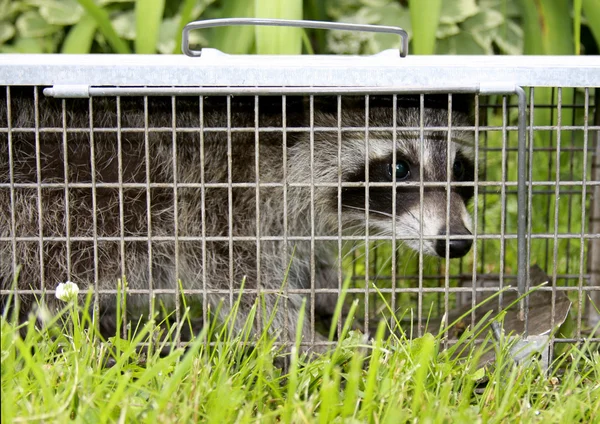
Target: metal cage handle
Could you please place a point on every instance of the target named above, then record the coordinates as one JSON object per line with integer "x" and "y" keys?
{"x": 212, "y": 23}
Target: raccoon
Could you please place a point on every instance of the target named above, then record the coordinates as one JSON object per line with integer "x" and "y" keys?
{"x": 171, "y": 195}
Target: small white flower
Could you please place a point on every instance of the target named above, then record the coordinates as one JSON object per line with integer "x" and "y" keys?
{"x": 67, "y": 292}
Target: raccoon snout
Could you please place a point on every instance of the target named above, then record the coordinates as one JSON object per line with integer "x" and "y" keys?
{"x": 457, "y": 247}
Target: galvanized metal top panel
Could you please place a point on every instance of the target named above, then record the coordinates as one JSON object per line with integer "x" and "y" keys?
{"x": 214, "y": 68}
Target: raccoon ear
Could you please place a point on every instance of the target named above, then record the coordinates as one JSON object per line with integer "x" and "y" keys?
{"x": 464, "y": 103}
{"x": 461, "y": 102}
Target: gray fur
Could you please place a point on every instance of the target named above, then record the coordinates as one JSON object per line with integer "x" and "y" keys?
{"x": 274, "y": 256}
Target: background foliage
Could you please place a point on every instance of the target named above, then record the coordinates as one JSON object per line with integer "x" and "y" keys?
{"x": 154, "y": 26}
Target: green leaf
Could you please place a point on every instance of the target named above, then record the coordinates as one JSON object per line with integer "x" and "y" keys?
{"x": 124, "y": 24}
{"x": 347, "y": 42}
{"x": 105, "y": 2}
{"x": 478, "y": 375}
{"x": 456, "y": 11}
{"x": 508, "y": 8}
{"x": 482, "y": 28}
{"x": 166, "y": 35}
{"x": 102, "y": 20}
{"x": 278, "y": 40}
{"x": 31, "y": 25}
{"x": 64, "y": 12}
{"x": 24, "y": 45}
{"x": 446, "y": 30}
{"x": 343, "y": 8}
{"x": 392, "y": 15}
{"x": 485, "y": 19}
{"x": 424, "y": 18}
{"x": 577, "y": 7}
{"x": 167, "y": 40}
{"x": 591, "y": 10}
{"x": 10, "y": 9}
{"x": 547, "y": 27}
{"x": 148, "y": 17}
{"x": 234, "y": 39}
{"x": 509, "y": 38}
{"x": 80, "y": 37}
{"x": 190, "y": 11}
{"x": 462, "y": 43}
{"x": 7, "y": 31}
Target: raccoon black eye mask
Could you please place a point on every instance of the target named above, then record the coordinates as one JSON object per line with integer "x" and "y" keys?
{"x": 403, "y": 170}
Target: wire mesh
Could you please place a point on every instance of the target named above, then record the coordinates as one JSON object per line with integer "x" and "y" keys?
{"x": 212, "y": 196}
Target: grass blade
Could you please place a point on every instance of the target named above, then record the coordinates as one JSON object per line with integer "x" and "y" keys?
{"x": 102, "y": 20}
{"x": 577, "y": 5}
{"x": 545, "y": 29}
{"x": 315, "y": 11}
{"x": 187, "y": 8}
{"x": 234, "y": 39}
{"x": 148, "y": 16}
{"x": 278, "y": 40}
{"x": 80, "y": 37}
{"x": 424, "y": 19}
{"x": 371, "y": 383}
{"x": 591, "y": 10}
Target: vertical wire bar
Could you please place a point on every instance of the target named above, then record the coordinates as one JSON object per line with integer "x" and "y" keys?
{"x": 339, "y": 205}
{"x": 38, "y": 161}
{"x": 549, "y": 201}
{"x": 475, "y": 215}
{"x": 13, "y": 223}
{"x": 290, "y": 336}
{"x": 593, "y": 299}
{"x": 583, "y": 217}
{"x": 394, "y": 199}
{"x": 503, "y": 201}
{"x": 556, "y": 204}
{"x": 523, "y": 253}
{"x": 447, "y": 235}
{"x": 96, "y": 313}
{"x": 524, "y": 304}
{"x": 175, "y": 213}
{"x": 421, "y": 211}
{"x": 66, "y": 188}
{"x": 148, "y": 214}
{"x": 571, "y": 153}
{"x": 257, "y": 194}
{"x": 367, "y": 188}
{"x": 484, "y": 226}
{"x": 230, "y": 200}
{"x": 203, "y": 214}
{"x": 121, "y": 212}
{"x": 312, "y": 219}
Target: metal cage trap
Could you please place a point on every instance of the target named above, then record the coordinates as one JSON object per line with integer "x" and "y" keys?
{"x": 295, "y": 174}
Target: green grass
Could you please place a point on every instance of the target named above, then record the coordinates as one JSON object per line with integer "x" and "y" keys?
{"x": 60, "y": 374}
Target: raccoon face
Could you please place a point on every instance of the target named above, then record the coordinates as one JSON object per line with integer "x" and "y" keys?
{"x": 424, "y": 204}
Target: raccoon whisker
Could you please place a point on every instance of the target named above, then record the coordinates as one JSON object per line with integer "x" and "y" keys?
{"x": 352, "y": 250}
{"x": 375, "y": 211}
{"x": 388, "y": 215}
{"x": 384, "y": 266}
{"x": 358, "y": 246}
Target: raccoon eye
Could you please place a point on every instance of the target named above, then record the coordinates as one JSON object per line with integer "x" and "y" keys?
{"x": 459, "y": 170}
{"x": 402, "y": 170}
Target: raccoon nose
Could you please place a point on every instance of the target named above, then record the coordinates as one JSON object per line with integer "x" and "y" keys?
{"x": 457, "y": 248}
